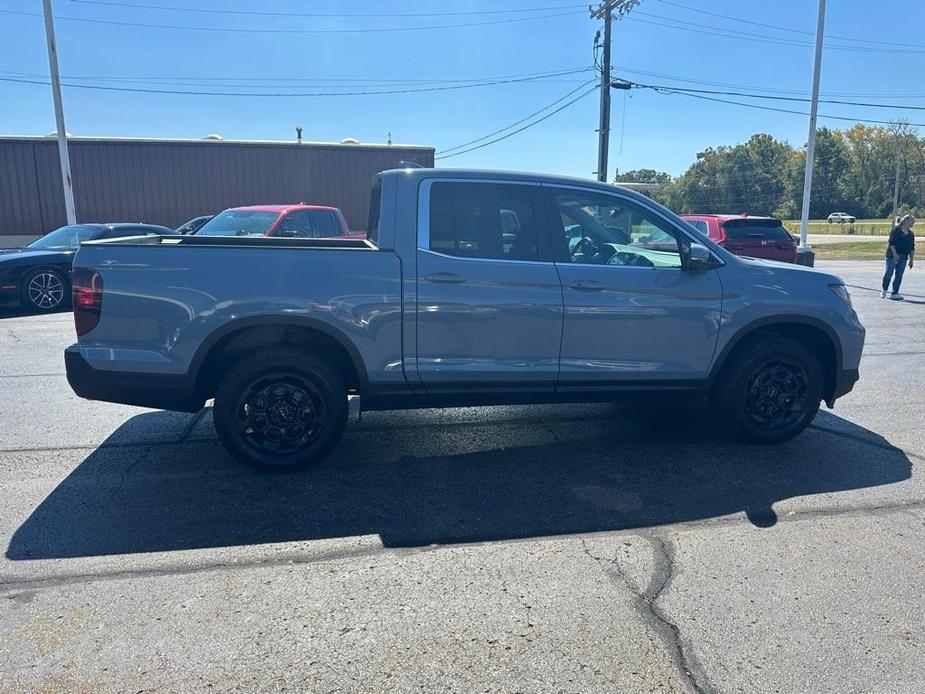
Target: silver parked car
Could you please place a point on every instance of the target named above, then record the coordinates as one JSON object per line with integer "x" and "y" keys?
{"x": 840, "y": 218}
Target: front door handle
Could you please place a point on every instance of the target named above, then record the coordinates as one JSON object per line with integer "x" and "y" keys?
{"x": 586, "y": 286}
{"x": 445, "y": 278}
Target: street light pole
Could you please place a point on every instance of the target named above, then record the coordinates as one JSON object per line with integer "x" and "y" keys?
{"x": 804, "y": 253}
{"x": 59, "y": 114}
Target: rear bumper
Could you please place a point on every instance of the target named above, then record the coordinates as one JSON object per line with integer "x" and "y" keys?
{"x": 162, "y": 392}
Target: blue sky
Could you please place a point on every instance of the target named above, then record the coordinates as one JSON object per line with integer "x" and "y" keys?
{"x": 659, "y": 131}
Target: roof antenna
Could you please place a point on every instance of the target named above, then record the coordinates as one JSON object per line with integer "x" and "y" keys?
{"x": 298, "y": 134}
{"x": 388, "y": 140}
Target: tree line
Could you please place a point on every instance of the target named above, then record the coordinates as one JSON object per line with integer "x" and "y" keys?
{"x": 854, "y": 172}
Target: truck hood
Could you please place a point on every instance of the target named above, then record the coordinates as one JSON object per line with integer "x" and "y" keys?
{"x": 778, "y": 268}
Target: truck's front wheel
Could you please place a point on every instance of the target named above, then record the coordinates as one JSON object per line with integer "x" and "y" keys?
{"x": 281, "y": 409}
{"x": 769, "y": 391}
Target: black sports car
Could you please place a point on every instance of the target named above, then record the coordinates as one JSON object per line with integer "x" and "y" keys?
{"x": 37, "y": 277}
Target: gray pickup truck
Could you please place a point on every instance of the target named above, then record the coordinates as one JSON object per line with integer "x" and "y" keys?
{"x": 472, "y": 288}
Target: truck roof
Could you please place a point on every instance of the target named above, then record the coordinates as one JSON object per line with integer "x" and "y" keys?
{"x": 526, "y": 176}
{"x": 282, "y": 209}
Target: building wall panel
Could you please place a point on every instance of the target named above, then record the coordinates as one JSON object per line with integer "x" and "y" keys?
{"x": 167, "y": 182}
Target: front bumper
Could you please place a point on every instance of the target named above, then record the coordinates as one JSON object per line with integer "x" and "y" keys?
{"x": 159, "y": 391}
{"x": 844, "y": 382}
{"x": 9, "y": 293}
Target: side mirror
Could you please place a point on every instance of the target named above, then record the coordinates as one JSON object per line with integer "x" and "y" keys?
{"x": 699, "y": 258}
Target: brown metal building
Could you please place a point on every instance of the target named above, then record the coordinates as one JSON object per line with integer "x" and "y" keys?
{"x": 169, "y": 181}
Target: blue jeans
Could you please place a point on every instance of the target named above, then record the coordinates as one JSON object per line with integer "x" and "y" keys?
{"x": 897, "y": 266}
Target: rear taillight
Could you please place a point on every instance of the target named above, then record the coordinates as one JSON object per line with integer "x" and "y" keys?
{"x": 722, "y": 236}
{"x": 87, "y": 287}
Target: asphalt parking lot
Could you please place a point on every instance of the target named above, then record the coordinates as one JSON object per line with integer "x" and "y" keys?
{"x": 569, "y": 549}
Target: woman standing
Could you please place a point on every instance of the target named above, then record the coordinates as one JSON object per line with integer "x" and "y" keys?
{"x": 899, "y": 252}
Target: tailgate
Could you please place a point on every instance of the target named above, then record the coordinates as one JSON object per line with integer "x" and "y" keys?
{"x": 759, "y": 238}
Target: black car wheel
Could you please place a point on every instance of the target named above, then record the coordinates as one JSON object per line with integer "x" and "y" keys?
{"x": 44, "y": 291}
{"x": 281, "y": 409}
{"x": 769, "y": 391}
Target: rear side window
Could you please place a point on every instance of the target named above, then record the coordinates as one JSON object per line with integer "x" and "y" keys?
{"x": 324, "y": 225}
{"x": 745, "y": 229}
{"x": 483, "y": 220}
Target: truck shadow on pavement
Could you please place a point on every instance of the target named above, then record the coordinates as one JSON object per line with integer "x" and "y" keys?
{"x": 436, "y": 479}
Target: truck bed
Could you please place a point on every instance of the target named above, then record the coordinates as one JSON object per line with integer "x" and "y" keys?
{"x": 237, "y": 241}
{"x": 166, "y": 300}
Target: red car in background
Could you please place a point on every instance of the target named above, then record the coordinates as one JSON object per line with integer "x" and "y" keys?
{"x": 299, "y": 221}
{"x": 755, "y": 237}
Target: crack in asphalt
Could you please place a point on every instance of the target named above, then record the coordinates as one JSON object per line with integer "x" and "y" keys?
{"x": 647, "y": 602}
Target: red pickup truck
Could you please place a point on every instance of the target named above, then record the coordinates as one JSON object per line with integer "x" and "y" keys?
{"x": 298, "y": 221}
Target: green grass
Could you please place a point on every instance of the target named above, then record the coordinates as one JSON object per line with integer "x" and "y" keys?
{"x": 862, "y": 227}
{"x": 850, "y": 250}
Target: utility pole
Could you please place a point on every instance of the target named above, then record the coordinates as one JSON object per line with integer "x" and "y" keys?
{"x": 603, "y": 141}
{"x": 59, "y": 114}
{"x": 896, "y": 185}
{"x": 605, "y": 11}
{"x": 805, "y": 255}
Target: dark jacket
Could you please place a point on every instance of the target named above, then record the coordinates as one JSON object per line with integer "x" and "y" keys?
{"x": 903, "y": 242}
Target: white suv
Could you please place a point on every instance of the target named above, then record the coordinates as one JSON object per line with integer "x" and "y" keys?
{"x": 840, "y": 217}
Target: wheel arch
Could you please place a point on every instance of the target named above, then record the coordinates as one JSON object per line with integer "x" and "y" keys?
{"x": 235, "y": 339}
{"x": 819, "y": 337}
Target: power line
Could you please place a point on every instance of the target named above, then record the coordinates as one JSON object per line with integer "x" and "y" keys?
{"x": 764, "y": 25}
{"x": 266, "y": 82}
{"x": 518, "y": 122}
{"x": 693, "y": 80}
{"x": 711, "y": 30}
{"x": 774, "y": 97}
{"x": 525, "y": 127}
{"x": 369, "y": 92}
{"x": 265, "y": 13}
{"x": 249, "y": 30}
{"x": 772, "y": 108}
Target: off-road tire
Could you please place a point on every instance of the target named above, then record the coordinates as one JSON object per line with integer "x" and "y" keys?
{"x": 281, "y": 409}
{"x": 766, "y": 376}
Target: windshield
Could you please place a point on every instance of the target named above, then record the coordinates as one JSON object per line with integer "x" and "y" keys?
{"x": 755, "y": 229}
{"x": 65, "y": 239}
{"x": 239, "y": 223}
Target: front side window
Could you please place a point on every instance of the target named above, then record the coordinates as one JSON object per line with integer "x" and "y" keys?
{"x": 239, "y": 223}
{"x": 599, "y": 229}
{"x": 483, "y": 220}
{"x": 296, "y": 225}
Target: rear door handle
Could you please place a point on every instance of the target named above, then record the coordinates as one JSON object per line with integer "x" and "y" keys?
{"x": 445, "y": 277}
{"x": 586, "y": 286}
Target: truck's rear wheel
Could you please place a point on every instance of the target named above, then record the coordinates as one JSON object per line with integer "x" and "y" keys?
{"x": 769, "y": 391}
{"x": 281, "y": 409}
